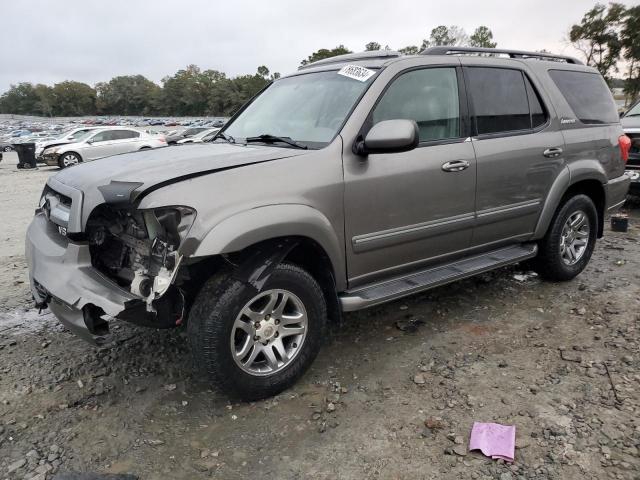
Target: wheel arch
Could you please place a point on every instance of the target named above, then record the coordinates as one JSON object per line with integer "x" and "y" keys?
{"x": 247, "y": 229}
{"x": 588, "y": 181}
{"x": 60, "y": 155}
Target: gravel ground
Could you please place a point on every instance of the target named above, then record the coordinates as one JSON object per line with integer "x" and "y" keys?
{"x": 392, "y": 395}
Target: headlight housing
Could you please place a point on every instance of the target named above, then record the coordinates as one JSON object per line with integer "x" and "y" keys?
{"x": 51, "y": 150}
{"x": 169, "y": 223}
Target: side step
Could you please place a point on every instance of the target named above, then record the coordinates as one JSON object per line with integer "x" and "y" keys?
{"x": 370, "y": 295}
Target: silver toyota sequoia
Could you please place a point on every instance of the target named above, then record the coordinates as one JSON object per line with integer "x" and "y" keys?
{"x": 354, "y": 181}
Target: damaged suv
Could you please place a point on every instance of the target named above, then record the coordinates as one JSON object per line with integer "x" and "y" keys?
{"x": 357, "y": 180}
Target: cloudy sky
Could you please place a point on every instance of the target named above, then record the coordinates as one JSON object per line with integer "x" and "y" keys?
{"x": 46, "y": 41}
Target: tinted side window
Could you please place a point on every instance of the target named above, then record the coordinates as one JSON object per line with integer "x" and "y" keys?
{"x": 538, "y": 115}
{"x": 101, "y": 136}
{"x": 499, "y": 99}
{"x": 125, "y": 134}
{"x": 587, "y": 95}
{"x": 428, "y": 96}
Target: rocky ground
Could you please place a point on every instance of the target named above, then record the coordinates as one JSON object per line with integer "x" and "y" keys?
{"x": 393, "y": 394}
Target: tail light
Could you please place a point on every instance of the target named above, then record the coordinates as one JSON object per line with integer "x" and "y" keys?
{"x": 625, "y": 146}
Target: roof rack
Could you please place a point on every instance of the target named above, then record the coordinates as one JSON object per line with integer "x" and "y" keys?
{"x": 349, "y": 57}
{"x": 448, "y": 50}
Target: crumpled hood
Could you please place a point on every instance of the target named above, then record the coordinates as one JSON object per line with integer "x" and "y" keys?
{"x": 162, "y": 166}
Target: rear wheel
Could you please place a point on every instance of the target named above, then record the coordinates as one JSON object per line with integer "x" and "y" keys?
{"x": 253, "y": 344}
{"x": 567, "y": 247}
{"x": 8, "y": 148}
{"x": 68, "y": 159}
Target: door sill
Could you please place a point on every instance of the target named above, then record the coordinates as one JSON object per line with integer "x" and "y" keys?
{"x": 381, "y": 292}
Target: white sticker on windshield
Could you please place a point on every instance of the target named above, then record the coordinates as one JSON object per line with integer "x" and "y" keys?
{"x": 357, "y": 73}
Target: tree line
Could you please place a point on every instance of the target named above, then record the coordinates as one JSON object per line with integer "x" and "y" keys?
{"x": 605, "y": 35}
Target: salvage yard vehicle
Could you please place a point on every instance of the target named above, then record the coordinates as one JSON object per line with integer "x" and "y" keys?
{"x": 354, "y": 181}
{"x": 99, "y": 143}
{"x": 65, "y": 137}
{"x": 204, "y": 136}
{"x": 631, "y": 126}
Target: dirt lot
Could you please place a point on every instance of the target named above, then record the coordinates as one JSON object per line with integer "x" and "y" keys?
{"x": 559, "y": 361}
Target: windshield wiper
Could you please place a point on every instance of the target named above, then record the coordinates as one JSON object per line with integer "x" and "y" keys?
{"x": 632, "y": 115}
{"x": 268, "y": 138}
{"x": 224, "y": 136}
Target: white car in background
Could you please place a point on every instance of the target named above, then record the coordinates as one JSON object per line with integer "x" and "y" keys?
{"x": 69, "y": 136}
{"x": 203, "y": 136}
{"x": 101, "y": 143}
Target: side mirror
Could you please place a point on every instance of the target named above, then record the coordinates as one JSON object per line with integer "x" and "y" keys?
{"x": 390, "y": 136}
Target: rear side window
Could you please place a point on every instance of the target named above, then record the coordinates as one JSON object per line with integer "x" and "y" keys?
{"x": 125, "y": 134}
{"x": 503, "y": 100}
{"x": 538, "y": 115}
{"x": 588, "y": 96}
{"x": 430, "y": 97}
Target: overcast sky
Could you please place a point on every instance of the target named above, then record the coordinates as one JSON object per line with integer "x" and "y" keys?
{"x": 47, "y": 41}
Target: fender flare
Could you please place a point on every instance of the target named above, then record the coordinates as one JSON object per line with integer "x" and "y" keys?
{"x": 573, "y": 173}
{"x": 273, "y": 222}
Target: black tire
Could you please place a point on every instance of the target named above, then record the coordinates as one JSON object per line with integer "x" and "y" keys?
{"x": 549, "y": 263}
{"x": 210, "y": 326}
{"x": 62, "y": 162}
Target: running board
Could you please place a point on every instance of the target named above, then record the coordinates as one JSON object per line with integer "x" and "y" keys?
{"x": 378, "y": 293}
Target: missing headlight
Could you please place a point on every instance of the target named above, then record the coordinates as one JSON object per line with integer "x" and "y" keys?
{"x": 139, "y": 248}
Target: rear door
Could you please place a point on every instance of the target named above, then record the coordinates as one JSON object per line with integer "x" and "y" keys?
{"x": 518, "y": 152}
{"x": 126, "y": 141}
{"x": 98, "y": 146}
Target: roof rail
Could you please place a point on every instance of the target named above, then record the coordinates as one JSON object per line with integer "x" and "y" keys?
{"x": 450, "y": 50}
{"x": 348, "y": 57}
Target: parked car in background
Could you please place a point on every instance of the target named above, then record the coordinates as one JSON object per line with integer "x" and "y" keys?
{"x": 203, "y": 136}
{"x": 101, "y": 143}
{"x": 69, "y": 136}
{"x": 631, "y": 125}
{"x": 6, "y": 147}
{"x": 173, "y": 139}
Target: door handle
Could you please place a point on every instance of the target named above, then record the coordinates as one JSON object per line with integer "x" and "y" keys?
{"x": 553, "y": 152}
{"x": 455, "y": 166}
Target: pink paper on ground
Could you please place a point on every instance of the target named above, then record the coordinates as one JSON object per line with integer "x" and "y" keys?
{"x": 494, "y": 440}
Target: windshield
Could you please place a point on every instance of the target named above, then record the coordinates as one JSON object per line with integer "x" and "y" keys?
{"x": 634, "y": 112}
{"x": 308, "y": 108}
{"x": 80, "y": 136}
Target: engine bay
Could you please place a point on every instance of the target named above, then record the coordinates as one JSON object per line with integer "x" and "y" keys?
{"x": 138, "y": 249}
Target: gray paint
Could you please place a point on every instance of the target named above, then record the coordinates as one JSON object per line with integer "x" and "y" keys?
{"x": 377, "y": 216}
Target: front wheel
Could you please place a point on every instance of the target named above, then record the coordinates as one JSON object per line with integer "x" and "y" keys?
{"x": 567, "y": 247}
{"x": 253, "y": 344}
{"x": 68, "y": 159}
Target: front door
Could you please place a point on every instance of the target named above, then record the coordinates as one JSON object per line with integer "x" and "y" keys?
{"x": 519, "y": 153}
{"x": 404, "y": 210}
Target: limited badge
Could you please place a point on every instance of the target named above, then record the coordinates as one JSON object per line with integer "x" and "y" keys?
{"x": 357, "y": 73}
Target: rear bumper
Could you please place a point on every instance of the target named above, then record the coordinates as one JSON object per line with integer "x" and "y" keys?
{"x": 616, "y": 191}
{"x": 61, "y": 274}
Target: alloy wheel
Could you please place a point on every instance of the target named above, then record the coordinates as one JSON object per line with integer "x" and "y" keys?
{"x": 574, "y": 238}
{"x": 268, "y": 333}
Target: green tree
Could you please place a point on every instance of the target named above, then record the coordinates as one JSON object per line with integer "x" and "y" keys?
{"x": 482, "y": 37}
{"x": 444, "y": 36}
{"x": 409, "y": 50}
{"x": 371, "y": 46}
{"x": 324, "y": 53}
{"x": 20, "y": 99}
{"x": 73, "y": 99}
{"x": 46, "y": 99}
{"x": 126, "y": 95}
{"x": 630, "y": 38}
{"x": 597, "y": 36}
